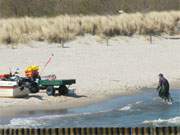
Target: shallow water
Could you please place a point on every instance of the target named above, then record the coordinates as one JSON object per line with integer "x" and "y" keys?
{"x": 142, "y": 109}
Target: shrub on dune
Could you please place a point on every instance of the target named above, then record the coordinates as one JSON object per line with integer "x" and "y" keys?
{"x": 66, "y": 27}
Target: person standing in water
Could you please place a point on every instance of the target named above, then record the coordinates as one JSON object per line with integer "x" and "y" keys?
{"x": 163, "y": 88}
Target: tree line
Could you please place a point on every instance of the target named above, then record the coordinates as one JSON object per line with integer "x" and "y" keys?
{"x": 37, "y": 8}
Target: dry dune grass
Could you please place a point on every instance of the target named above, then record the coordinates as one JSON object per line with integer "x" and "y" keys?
{"x": 65, "y": 27}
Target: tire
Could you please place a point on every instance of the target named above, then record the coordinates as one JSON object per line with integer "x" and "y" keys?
{"x": 34, "y": 88}
{"x": 63, "y": 90}
{"x": 50, "y": 91}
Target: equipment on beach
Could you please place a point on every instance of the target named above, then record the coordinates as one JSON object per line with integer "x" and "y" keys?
{"x": 13, "y": 85}
{"x": 11, "y": 89}
{"x": 32, "y": 71}
{"x": 60, "y": 85}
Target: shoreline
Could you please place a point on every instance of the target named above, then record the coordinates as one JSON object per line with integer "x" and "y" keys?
{"x": 10, "y": 111}
{"x": 125, "y": 66}
{"x": 72, "y": 103}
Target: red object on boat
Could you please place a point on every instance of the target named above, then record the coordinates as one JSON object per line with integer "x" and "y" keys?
{"x": 3, "y": 76}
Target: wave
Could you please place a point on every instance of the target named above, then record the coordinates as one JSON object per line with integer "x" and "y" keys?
{"x": 125, "y": 108}
{"x": 43, "y": 120}
{"x": 19, "y": 122}
{"x": 130, "y": 106}
{"x": 139, "y": 102}
{"x": 164, "y": 122}
{"x": 39, "y": 121}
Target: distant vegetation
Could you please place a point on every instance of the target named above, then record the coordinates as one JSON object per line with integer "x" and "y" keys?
{"x": 66, "y": 27}
{"x": 19, "y": 8}
{"x": 63, "y": 20}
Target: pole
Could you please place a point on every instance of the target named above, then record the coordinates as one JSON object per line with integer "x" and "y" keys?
{"x": 150, "y": 38}
{"x": 48, "y": 61}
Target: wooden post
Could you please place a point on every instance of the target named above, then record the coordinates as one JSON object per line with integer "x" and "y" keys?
{"x": 107, "y": 41}
{"x": 62, "y": 43}
{"x": 150, "y": 38}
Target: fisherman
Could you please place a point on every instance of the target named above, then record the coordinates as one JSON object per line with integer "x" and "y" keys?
{"x": 163, "y": 88}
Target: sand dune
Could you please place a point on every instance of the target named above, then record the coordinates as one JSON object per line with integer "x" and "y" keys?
{"x": 66, "y": 27}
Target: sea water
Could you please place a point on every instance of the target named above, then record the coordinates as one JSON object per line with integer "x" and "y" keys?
{"x": 144, "y": 108}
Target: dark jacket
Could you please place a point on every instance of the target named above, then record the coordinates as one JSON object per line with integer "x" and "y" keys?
{"x": 163, "y": 88}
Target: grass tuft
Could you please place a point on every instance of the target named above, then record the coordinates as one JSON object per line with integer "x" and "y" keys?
{"x": 66, "y": 27}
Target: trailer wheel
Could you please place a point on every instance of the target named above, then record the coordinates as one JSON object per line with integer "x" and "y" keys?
{"x": 34, "y": 88}
{"x": 50, "y": 91}
{"x": 63, "y": 90}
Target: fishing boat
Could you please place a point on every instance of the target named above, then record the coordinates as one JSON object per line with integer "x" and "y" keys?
{"x": 11, "y": 89}
{"x": 13, "y": 85}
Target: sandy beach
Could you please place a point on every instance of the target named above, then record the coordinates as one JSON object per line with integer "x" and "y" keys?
{"x": 125, "y": 66}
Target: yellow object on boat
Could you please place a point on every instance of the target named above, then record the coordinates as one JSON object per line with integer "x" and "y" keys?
{"x": 32, "y": 68}
{"x": 31, "y": 71}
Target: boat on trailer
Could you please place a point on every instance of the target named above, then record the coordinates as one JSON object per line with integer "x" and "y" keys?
{"x": 11, "y": 89}
{"x": 13, "y": 85}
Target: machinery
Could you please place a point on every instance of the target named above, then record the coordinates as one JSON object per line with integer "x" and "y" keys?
{"x": 33, "y": 83}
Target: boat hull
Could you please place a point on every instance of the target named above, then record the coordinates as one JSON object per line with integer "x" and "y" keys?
{"x": 11, "y": 89}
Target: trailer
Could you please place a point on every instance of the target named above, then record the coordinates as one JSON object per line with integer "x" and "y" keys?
{"x": 13, "y": 85}
{"x": 24, "y": 86}
{"x": 51, "y": 86}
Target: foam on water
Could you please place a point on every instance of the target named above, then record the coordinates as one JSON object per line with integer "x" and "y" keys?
{"x": 18, "y": 122}
{"x": 130, "y": 106}
{"x": 164, "y": 122}
{"x": 139, "y": 102}
{"x": 125, "y": 108}
{"x": 42, "y": 120}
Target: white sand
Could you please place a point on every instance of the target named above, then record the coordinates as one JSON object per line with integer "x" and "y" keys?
{"x": 101, "y": 71}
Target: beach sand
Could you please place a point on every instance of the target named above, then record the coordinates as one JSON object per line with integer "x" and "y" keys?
{"x": 125, "y": 66}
